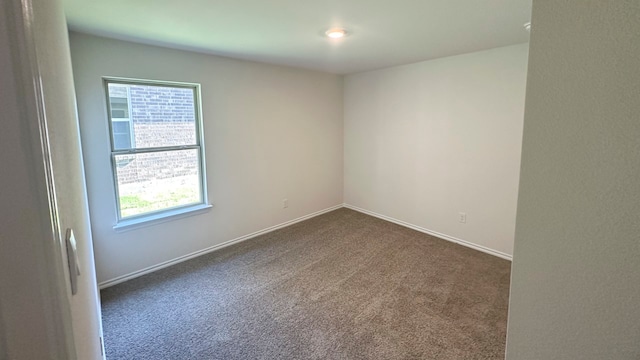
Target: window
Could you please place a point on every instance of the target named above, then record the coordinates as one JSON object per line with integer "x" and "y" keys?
{"x": 122, "y": 126}
{"x": 156, "y": 147}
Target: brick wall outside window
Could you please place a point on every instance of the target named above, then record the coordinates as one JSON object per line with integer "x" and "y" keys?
{"x": 161, "y": 116}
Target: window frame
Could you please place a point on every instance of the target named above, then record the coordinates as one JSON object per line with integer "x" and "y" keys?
{"x": 175, "y": 211}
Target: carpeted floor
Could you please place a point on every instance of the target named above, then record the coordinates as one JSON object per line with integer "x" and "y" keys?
{"x": 342, "y": 285}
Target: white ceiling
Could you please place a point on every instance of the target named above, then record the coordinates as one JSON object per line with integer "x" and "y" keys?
{"x": 288, "y": 32}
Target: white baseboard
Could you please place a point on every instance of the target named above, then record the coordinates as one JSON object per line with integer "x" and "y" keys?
{"x": 433, "y": 233}
{"x": 150, "y": 269}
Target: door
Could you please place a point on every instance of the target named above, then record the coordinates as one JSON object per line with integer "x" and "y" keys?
{"x": 43, "y": 193}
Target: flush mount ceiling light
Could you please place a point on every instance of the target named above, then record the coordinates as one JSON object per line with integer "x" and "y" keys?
{"x": 336, "y": 33}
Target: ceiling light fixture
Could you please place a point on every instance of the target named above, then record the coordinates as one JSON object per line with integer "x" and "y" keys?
{"x": 336, "y": 33}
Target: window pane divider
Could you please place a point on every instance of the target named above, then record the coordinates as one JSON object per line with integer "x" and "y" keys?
{"x": 155, "y": 149}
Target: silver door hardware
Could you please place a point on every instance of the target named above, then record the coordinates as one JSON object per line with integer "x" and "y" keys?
{"x": 72, "y": 257}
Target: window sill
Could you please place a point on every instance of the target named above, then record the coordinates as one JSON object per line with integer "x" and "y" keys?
{"x": 170, "y": 215}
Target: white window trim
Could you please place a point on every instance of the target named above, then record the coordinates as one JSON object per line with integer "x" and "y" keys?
{"x": 168, "y": 214}
{"x": 161, "y": 217}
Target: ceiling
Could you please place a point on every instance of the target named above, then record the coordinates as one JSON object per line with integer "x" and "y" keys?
{"x": 289, "y": 32}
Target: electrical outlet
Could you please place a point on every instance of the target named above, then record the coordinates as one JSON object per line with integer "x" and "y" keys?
{"x": 462, "y": 217}
{"x": 285, "y": 203}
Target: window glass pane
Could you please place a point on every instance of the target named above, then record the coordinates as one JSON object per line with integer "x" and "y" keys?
{"x": 118, "y": 91}
{"x": 160, "y": 115}
{"x": 122, "y": 141}
{"x": 157, "y": 181}
{"x": 121, "y": 127}
{"x": 119, "y": 106}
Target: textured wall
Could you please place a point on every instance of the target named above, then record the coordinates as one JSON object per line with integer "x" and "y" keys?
{"x": 576, "y": 268}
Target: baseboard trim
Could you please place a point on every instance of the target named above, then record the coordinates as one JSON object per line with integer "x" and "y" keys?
{"x": 150, "y": 269}
{"x": 433, "y": 233}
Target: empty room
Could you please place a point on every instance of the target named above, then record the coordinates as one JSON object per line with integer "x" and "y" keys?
{"x": 320, "y": 180}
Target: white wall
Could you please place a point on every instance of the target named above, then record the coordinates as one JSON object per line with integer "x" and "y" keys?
{"x": 426, "y": 141}
{"x": 33, "y": 299}
{"x": 575, "y": 290}
{"x": 39, "y": 317}
{"x": 52, "y": 42}
{"x": 270, "y": 133}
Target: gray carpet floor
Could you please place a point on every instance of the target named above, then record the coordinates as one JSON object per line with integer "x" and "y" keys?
{"x": 342, "y": 285}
